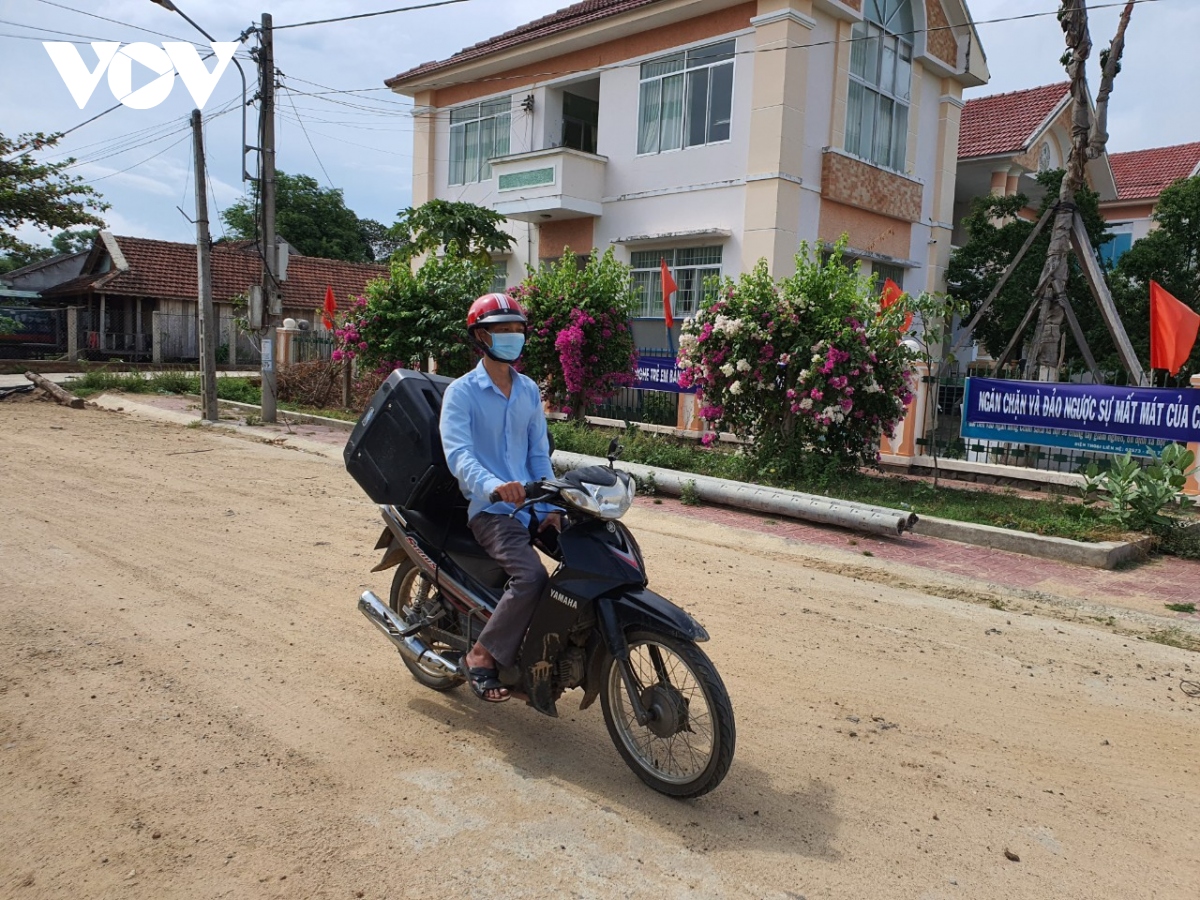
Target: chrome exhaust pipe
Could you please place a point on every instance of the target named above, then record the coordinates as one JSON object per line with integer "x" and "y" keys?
{"x": 412, "y": 647}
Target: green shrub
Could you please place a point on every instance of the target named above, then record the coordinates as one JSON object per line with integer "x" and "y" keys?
{"x": 1138, "y": 496}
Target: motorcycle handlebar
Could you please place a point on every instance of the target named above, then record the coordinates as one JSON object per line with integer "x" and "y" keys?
{"x": 531, "y": 488}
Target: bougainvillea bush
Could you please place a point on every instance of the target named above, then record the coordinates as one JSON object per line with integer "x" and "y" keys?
{"x": 580, "y": 349}
{"x": 806, "y": 366}
{"x": 411, "y": 317}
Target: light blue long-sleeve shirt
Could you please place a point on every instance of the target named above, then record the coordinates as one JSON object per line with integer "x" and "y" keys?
{"x": 490, "y": 439}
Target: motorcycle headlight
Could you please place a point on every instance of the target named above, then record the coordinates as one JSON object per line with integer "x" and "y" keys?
{"x": 606, "y": 501}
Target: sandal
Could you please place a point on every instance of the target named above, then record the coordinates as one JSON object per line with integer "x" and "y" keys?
{"x": 483, "y": 680}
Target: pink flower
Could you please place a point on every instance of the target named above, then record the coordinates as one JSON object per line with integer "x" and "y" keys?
{"x": 707, "y": 438}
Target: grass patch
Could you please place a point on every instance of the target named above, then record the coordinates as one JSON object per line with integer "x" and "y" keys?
{"x": 97, "y": 381}
{"x": 1181, "y": 607}
{"x": 1053, "y": 516}
{"x": 1174, "y": 637}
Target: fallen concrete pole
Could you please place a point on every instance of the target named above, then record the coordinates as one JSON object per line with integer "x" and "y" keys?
{"x": 66, "y": 398}
{"x": 776, "y": 501}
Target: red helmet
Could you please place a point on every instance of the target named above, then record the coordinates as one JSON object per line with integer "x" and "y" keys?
{"x": 492, "y": 309}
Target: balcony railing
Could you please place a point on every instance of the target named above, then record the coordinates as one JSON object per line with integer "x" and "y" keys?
{"x": 559, "y": 183}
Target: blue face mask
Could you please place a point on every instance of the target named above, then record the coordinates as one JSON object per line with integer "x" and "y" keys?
{"x": 508, "y": 347}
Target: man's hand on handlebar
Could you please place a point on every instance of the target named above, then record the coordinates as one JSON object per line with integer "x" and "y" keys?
{"x": 512, "y": 492}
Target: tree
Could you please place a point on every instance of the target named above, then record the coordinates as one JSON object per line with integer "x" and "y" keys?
{"x": 40, "y": 193}
{"x": 66, "y": 242}
{"x": 996, "y": 232}
{"x": 1170, "y": 255}
{"x": 438, "y": 224}
{"x": 314, "y": 220}
{"x": 414, "y": 316}
{"x": 1089, "y": 139}
{"x": 380, "y": 239}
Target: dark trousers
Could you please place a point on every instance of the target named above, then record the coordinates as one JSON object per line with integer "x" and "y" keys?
{"x": 507, "y": 542}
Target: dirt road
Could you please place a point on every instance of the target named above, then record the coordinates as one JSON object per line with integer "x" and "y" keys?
{"x": 191, "y": 707}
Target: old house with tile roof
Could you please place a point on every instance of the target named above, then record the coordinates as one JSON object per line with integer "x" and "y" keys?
{"x": 1007, "y": 139}
{"x": 709, "y": 133}
{"x": 1142, "y": 176}
{"x": 129, "y": 283}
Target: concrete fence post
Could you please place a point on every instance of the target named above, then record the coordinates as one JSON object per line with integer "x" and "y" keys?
{"x": 285, "y": 344}
{"x": 232, "y": 338}
{"x": 73, "y": 334}
{"x": 1192, "y": 488}
{"x": 156, "y": 353}
{"x": 901, "y": 445}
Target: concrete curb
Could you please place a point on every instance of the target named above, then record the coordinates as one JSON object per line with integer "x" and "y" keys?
{"x": 1100, "y": 555}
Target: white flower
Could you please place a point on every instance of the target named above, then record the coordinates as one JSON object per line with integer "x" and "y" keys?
{"x": 727, "y": 370}
{"x": 743, "y": 366}
{"x": 726, "y": 325}
{"x": 735, "y": 388}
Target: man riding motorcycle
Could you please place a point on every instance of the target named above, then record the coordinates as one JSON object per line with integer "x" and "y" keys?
{"x": 494, "y": 438}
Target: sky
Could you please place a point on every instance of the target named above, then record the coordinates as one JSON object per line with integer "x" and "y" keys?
{"x": 141, "y": 159}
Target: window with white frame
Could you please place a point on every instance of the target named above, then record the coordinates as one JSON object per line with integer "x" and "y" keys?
{"x": 686, "y": 99}
{"x": 880, "y": 83}
{"x": 479, "y": 132}
{"x": 499, "y": 276}
{"x": 690, "y": 267}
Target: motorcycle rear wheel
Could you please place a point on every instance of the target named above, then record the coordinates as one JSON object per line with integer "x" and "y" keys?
{"x": 410, "y": 588}
{"x": 686, "y": 749}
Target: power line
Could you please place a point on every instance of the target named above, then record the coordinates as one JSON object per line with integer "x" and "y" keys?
{"x": 382, "y": 12}
{"x": 114, "y": 21}
{"x": 535, "y": 76}
{"x": 328, "y": 180}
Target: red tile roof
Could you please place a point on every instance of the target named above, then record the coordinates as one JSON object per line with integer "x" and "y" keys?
{"x": 1144, "y": 174}
{"x": 1005, "y": 123}
{"x": 167, "y": 270}
{"x": 556, "y": 22}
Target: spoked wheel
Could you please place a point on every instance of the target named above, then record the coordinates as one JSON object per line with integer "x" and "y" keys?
{"x": 411, "y": 591}
{"x": 685, "y": 749}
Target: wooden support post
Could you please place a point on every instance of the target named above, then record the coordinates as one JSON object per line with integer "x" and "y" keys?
{"x": 1108, "y": 309}
{"x": 1012, "y": 267}
{"x": 66, "y": 398}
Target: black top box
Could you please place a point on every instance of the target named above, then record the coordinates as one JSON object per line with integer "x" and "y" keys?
{"x": 395, "y": 451}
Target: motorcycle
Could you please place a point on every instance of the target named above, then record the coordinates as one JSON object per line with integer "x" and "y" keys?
{"x": 597, "y": 627}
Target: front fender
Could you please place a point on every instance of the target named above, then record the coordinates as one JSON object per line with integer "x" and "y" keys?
{"x": 642, "y": 608}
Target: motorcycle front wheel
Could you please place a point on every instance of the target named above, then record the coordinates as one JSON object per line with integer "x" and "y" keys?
{"x": 686, "y": 747}
{"x": 411, "y": 590}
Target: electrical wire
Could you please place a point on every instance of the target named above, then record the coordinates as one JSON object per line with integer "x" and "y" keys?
{"x": 83, "y": 12}
{"x": 534, "y": 77}
{"x": 328, "y": 180}
{"x": 382, "y": 12}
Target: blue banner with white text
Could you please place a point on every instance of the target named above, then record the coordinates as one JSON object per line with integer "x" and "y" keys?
{"x": 659, "y": 373}
{"x": 1083, "y": 416}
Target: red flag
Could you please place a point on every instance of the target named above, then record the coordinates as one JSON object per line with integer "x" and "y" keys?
{"x": 669, "y": 287}
{"x": 891, "y": 293}
{"x": 330, "y": 308}
{"x": 1173, "y": 328}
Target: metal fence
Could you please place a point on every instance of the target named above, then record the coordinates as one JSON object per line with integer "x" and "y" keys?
{"x": 637, "y": 405}
{"x": 944, "y": 438}
{"x": 39, "y": 333}
{"x": 313, "y": 346}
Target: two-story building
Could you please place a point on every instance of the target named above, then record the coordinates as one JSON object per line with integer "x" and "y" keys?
{"x": 709, "y": 133}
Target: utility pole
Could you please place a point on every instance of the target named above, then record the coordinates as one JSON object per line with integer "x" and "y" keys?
{"x": 272, "y": 302}
{"x": 208, "y": 332}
